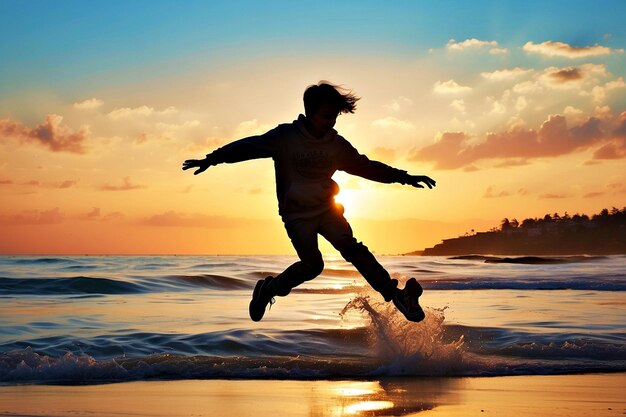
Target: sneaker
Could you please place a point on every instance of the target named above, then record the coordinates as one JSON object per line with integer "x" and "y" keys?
{"x": 407, "y": 301}
{"x": 261, "y": 297}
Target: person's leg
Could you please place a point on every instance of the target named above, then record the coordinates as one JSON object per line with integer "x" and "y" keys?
{"x": 336, "y": 229}
{"x": 303, "y": 235}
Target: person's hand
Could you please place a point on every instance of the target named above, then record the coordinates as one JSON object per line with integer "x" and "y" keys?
{"x": 201, "y": 164}
{"x": 415, "y": 181}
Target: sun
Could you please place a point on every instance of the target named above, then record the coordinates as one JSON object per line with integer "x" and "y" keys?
{"x": 347, "y": 198}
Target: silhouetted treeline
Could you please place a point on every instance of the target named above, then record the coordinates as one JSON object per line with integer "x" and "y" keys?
{"x": 601, "y": 234}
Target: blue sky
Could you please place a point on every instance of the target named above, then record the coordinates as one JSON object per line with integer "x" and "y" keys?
{"x": 61, "y": 43}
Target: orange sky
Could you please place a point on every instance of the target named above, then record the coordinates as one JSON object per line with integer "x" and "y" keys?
{"x": 507, "y": 128}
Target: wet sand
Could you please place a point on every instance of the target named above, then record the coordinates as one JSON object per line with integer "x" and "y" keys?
{"x": 567, "y": 395}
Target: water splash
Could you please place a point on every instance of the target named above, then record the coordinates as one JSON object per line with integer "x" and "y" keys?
{"x": 407, "y": 348}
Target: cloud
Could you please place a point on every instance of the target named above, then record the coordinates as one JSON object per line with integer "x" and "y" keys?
{"x": 453, "y": 150}
{"x": 459, "y": 105}
{"x": 528, "y": 87}
{"x": 178, "y": 219}
{"x": 474, "y": 44}
{"x": 516, "y": 162}
{"x": 616, "y": 147}
{"x": 89, "y": 104}
{"x": 450, "y": 87}
{"x": 603, "y": 113}
{"x": 35, "y": 183}
{"x": 6, "y": 182}
{"x": 127, "y": 112}
{"x": 51, "y": 134}
{"x": 34, "y": 217}
{"x": 490, "y": 194}
{"x": 394, "y": 123}
{"x": 593, "y": 194}
{"x": 610, "y": 151}
{"x": 208, "y": 144}
{"x": 521, "y": 103}
{"x": 173, "y": 126}
{"x": 505, "y": 74}
{"x": 600, "y": 92}
{"x": 383, "y": 154}
{"x": 497, "y": 107}
{"x": 620, "y": 131}
{"x": 498, "y": 51}
{"x": 66, "y": 184}
{"x": 125, "y": 186}
{"x": 446, "y": 152}
{"x": 561, "y": 49}
{"x": 572, "y": 111}
{"x": 565, "y": 75}
{"x": 250, "y": 128}
{"x": 116, "y": 215}
{"x": 553, "y": 196}
{"x": 398, "y": 103}
{"x": 142, "y": 138}
{"x": 93, "y": 214}
{"x": 575, "y": 77}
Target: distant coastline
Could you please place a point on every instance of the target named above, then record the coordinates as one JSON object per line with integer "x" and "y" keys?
{"x": 601, "y": 234}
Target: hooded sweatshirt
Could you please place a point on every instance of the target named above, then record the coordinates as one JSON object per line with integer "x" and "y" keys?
{"x": 304, "y": 166}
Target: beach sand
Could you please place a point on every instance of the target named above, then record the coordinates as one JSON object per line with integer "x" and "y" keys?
{"x": 560, "y": 395}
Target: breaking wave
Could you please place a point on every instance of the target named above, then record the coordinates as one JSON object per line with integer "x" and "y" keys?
{"x": 386, "y": 345}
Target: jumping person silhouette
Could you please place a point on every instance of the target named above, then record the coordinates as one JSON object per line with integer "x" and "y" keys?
{"x": 306, "y": 154}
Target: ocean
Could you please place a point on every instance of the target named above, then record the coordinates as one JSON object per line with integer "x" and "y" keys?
{"x": 97, "y": 319}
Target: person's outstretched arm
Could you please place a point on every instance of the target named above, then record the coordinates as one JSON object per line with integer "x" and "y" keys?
{"x": 357, "y": 164}
{"x": 252, "y": 147}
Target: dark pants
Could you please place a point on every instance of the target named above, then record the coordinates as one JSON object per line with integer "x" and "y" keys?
{"x": 335, "y": 228}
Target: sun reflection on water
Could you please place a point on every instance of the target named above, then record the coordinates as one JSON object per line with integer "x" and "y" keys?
{"x": 368, "y": 406}
{"x": 361, "y": 397}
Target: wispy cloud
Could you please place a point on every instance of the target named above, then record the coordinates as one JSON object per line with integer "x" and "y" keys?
{"x": 178, "y": 126}
{"x": 383, "y": 154}
{"x": 506, "y": 74}
{"x": 562, "y": 49}
{"x": 450, "y": 87}
{"x": 125, "y": 186}
{"x": 36, "y": 217}
{"x": 394, "y": 123}
{"x": 36, "y": 183}
{"x": 490, "y": 193}
{"x": 553, "y": 196}
{"x": 128, "y": 112}
{"x": 95, "y": 214}
{"x": 65, "y": 184}
{"x": 177, "y": 219}
{"x": 250, "y": 128}
{"x": 498, "y": 51}
{"x": 50, "y": 133}
{"x": 528, "y": 87}
{"x": 459, "y": 105}
{"x": 474, "y": 43}
{"x": 398, "y": 104}
{"x": 89, "y": 104}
